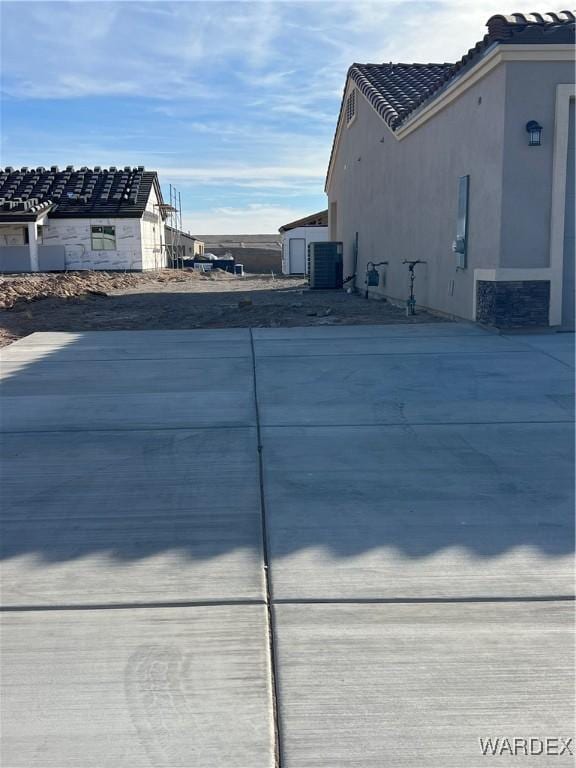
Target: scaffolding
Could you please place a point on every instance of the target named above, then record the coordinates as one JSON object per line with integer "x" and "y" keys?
{"x": 173, "y": 229}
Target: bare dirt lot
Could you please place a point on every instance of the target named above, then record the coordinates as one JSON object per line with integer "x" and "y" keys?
{"x": 173, "y": 300}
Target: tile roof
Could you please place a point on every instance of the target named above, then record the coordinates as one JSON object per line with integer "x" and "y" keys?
{"x": 397, "y": 90}
{"x": 501, "y": 27}
{"x": 75, "y": 193}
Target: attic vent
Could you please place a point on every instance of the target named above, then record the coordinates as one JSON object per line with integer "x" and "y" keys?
{"x": 351, "y": 107}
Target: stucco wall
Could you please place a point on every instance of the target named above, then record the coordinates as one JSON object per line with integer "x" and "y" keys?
{"x": 401, "y": 196}
{"x": 527, "y": 171}
{"x": 568, "y": 297}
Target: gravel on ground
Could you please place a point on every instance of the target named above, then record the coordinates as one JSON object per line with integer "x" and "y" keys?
{"x": 179, "y": 300}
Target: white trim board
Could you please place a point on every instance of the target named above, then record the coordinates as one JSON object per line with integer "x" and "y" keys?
{"x": 564, "y": 94}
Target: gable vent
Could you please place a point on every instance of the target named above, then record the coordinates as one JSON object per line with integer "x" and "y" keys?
{"x": 351, "y": 106}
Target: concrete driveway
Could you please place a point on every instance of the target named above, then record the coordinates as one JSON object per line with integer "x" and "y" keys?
{"x": 329, "y": 546}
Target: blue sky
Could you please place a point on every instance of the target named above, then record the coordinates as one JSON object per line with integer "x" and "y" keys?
{"x": 233, "y": 102}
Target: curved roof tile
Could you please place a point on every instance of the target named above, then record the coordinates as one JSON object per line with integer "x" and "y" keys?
{"x": 397, "y": 90}
{"x": 73, "y": 193}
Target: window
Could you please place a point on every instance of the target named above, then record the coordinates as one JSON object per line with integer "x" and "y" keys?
{"x": 103, "y": 238}
{"x": 351, "y": 107}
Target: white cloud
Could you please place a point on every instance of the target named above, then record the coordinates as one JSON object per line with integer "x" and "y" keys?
{"x": 408, "y": 31}
{"x": 242, "y": 172}
{"x": 150, "y": 49}
{"x": 304, "y": 112}
{"x": 450, "y": 30}
{"x": 253, "y": 219}
{"x": 296, "y": 52}
{"x": 234, "y": 99}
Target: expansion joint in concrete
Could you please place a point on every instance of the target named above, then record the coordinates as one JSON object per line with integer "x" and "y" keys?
{"x": 425, "y": 600}
{"x": 128, "y": 606}
{"x": 272, "y": 651}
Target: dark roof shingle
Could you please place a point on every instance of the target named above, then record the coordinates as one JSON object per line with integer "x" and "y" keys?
{"x": 75, "y": 193}
{"x": 396, "y": 90}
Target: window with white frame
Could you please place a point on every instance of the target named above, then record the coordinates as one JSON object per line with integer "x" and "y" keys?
{"x": 103, "y": 238}
{"x": 351, "y": 106}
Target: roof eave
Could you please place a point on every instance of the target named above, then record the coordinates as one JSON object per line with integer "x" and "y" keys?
{"x": 158, "y": 190}
{"x": 476, "y": 62}
{"x": 497, "y": 53}
{"x": 452, "y": 82}
{"x": 25, "y": 217}
{"x": 337, "y": 131}
{"x": 124, "y": 214}
{"x": 304, "y": 222}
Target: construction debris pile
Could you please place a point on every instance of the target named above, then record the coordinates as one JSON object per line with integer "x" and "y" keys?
{"x": 65, "y": 285}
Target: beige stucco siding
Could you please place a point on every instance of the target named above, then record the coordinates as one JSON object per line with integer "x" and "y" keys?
{"x": 527, "y": 177}
{"x": 401, "y": 195}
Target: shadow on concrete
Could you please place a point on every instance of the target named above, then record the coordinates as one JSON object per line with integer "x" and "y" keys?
{"x": 137, "y": 491}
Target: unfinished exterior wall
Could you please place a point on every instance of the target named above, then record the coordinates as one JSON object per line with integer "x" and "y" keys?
{"x": 75, "y": 235}
{"x": 190, "y": 246}
{"x": 152, "y": 235}
{"x": 12, "y": 234}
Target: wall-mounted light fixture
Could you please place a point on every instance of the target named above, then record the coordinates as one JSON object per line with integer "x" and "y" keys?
{"x": 534, "y": 130}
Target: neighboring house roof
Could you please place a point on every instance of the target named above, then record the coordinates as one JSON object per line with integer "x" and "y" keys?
{"x": 76, "y": 193}
{"x": 397, "y": 90}
{"x": 319, "y": 219}
{"x": 182, "y": 233}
